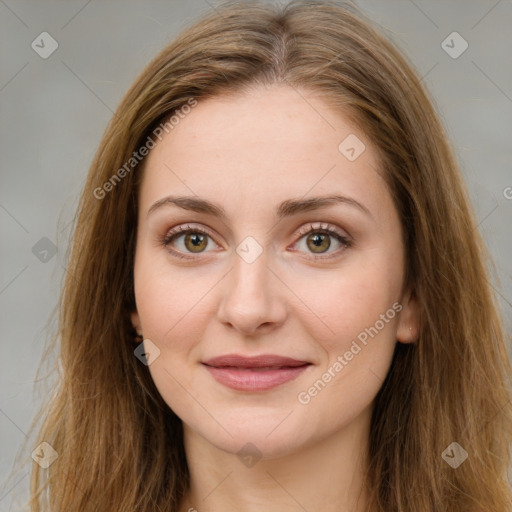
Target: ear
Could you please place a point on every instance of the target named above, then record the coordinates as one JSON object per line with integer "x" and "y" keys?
{"x": 134, "y": 315}
{"x": 409, "y": 322}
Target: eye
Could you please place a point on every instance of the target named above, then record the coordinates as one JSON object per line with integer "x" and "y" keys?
{"x": 319, "y": 239}
{"x": 187, "y": 239}
{"x": 323, "y": 241}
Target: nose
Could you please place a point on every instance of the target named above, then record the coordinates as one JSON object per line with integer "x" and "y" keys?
{"x": 254, "y": 299}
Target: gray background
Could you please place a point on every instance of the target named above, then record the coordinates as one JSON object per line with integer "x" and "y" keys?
{"x": 53, "y": 112}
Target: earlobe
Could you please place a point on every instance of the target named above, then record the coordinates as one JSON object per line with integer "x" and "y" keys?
{"x": 408, "y": 323}
{"x": 134, "y": 315}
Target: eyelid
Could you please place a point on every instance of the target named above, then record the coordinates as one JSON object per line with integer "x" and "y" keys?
{"x": 180, "y": 230}
{"x": 342, "y": 237}
{"x": 321, "y": 226}
{"x": 184, "y": 228}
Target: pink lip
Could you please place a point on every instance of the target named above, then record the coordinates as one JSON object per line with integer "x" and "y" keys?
{"x": 257, "y": 373}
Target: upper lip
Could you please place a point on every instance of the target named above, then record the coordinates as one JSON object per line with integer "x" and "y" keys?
{"x": 261, "y": 361}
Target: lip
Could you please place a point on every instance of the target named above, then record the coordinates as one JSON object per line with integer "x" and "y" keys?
{"x": 256, "y": 373}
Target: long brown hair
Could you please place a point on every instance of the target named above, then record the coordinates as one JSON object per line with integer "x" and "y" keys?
{"x": 120, "y": 446}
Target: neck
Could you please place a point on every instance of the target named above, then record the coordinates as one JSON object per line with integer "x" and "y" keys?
{"x": 326, "y": 475}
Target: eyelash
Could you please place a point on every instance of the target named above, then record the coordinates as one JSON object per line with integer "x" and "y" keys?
{"x": 179, "y": 231}
{"x": 326, "y": 229}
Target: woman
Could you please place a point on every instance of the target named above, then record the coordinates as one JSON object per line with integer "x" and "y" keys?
{"x": 276, "y": 296}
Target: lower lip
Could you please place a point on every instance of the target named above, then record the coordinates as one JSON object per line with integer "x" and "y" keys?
{"x": 246, "y": 379}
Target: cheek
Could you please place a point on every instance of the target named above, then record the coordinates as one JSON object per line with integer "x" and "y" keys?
{"x": 348, "y": 301}
{"x": 171, "y": 302}
{"x": 359, "y": 312}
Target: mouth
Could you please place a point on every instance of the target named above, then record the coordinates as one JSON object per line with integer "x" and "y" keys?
{"x": 257, "y": 373}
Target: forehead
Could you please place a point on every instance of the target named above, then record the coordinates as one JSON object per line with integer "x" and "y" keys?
{"x": 265, "y": 145}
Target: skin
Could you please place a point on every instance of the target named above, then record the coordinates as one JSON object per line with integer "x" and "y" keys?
{"x": 248, "y": 152}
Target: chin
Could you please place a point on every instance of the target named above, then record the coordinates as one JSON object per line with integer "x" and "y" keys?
{"x": 250, "y": 435}
{"x": 257, "y": 445}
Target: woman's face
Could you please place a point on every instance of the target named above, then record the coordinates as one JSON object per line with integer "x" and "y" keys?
{"x": 270, "y": 269}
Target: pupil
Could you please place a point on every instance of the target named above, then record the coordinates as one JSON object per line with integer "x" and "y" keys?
{"x": 195, "y": 242}
{"x": 196, "y": 239}
{"x": 319, "y": 241}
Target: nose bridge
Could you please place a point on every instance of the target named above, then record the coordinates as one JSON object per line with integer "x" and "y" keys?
{"x": 250, "y": 277}
{"x": 250, "y": 297}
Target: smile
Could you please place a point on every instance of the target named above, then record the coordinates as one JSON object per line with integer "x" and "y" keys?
{"x": 259, "y": 373}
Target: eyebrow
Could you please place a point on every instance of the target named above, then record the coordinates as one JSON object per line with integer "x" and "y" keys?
{"x": 285, "y": 209}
